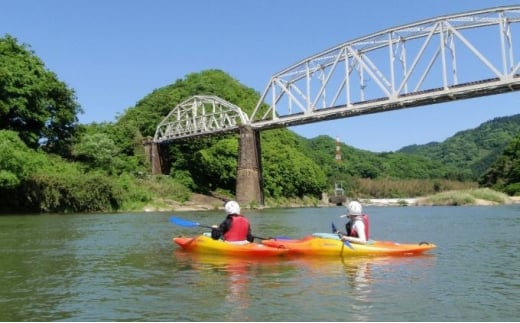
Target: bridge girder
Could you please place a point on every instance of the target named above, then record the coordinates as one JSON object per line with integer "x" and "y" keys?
{"x": 422, "y": 63}
{"x": 198, "y": 116}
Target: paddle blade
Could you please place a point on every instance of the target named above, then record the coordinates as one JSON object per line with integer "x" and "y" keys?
{"x": 347, "y": 243}
{"x": 334, "y": 229}
{"x": 183, "y": 222}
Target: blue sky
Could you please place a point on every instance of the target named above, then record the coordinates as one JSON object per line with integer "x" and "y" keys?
{"x": 115, "y": 52}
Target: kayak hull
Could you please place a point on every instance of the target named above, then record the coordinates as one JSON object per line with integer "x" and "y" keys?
{"x": 316, "y": 246}
{"x": 206, "y": 245}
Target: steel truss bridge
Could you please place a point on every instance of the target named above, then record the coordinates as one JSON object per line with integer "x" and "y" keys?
{"x": 437, "y": 60}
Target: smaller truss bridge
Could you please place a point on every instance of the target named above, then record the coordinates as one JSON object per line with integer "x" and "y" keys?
{"x": 200, "y": 115}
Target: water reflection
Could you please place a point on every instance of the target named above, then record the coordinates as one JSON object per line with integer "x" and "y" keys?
{"x": 238, "y": 276}
{"x": 357, "y": 281}
{"x": 358, "y": 273}
{"x": 303, "y": 282}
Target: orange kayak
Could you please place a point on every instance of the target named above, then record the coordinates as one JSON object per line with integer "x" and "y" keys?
{"x": 205, "y": 244}
{"x": 321, "y": 245}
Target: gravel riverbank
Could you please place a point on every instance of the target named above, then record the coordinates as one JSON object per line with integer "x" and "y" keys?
{"x": 199, "y": 202}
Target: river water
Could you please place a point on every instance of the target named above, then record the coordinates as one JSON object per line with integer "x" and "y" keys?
{"x": 124, "y": 267}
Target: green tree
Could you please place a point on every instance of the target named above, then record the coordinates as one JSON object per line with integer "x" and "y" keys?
{"x": 17, "y": 161}
{"x": 96, "y": 149}
{"x": 217, "y": 165}
{"x": 33, "y": 102}
{"x": 504, "y": 174}
{"x": 113, "y": 148}
{"x": 287, "y": 170}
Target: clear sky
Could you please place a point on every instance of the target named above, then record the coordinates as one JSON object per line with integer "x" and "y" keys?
{"x": 115, "y": 52}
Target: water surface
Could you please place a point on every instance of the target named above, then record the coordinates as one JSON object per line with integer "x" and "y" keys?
{"x": 124, "y": 267}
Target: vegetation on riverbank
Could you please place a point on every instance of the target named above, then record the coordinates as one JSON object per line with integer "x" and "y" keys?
{"x": 482, "y": 196}
{"x": 478, "y": 197}
{"x": 50, "y": 163}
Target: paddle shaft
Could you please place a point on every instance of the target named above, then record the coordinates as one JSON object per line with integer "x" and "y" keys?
{"x": 340, "y": 234}
{"x": 255, "y": 237}
{"x": 188, "y": 223}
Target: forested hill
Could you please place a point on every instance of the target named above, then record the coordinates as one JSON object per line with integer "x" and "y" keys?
{"x": 51, "y": 163}
{"x": 471, "y": 151}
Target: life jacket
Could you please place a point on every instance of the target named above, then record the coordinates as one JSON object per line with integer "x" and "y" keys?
{"x": 238, "y": 229}
{"x": 352, "y": 233}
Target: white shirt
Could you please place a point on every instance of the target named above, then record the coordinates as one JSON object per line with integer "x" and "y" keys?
{"x": 359, "y": 227}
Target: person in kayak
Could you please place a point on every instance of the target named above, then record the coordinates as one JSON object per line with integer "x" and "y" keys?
{"x": 358, "y": 226}
{"x": 235, "y": 227}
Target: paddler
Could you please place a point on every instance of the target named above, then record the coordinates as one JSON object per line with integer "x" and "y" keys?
{"x": 358, "y": 225}
{"x": 235, "y": 227}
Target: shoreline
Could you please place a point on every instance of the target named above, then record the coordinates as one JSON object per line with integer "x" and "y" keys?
{"x": 199, "y": 202}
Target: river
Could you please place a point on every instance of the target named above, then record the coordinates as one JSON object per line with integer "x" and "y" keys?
{"x": 124, "y": 267}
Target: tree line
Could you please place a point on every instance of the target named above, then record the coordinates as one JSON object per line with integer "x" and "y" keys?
{"x": 49, "y": 162}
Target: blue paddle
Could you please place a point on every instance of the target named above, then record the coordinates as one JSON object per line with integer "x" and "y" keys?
{"x": 187, "y": 223}
{"x": 340, "y": 234}
{"x": 190, "y": 224}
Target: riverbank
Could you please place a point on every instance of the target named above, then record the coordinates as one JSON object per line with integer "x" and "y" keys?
{"x": 481, "y": 197}
{"x": 424, "y": 202}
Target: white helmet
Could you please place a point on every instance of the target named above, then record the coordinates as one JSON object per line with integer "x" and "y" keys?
{"x": 354, "y": 208}
{"x": 232, "y": 207}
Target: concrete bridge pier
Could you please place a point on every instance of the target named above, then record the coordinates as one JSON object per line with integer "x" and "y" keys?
{"x": 152, "y": 153}
{"x": 249, "y": 187}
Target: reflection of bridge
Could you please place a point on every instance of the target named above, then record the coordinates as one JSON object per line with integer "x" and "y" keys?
{"x": 432, "y": 61}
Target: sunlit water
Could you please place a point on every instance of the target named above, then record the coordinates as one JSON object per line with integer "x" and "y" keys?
{"x": 124, "y": 267}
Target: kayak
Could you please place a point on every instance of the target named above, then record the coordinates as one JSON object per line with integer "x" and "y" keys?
{"x": 205, "y": 244}
{"x": 327, "y": 244}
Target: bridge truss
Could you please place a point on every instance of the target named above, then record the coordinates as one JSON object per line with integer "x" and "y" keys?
{"x": 431, "y": 61}
{"x": 200, "y": 115}
{"x": 441, "y": 59}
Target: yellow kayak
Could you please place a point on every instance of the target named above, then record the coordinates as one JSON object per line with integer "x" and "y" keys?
{"x": 325, "y": 244}
{"x": 205, "y": 244}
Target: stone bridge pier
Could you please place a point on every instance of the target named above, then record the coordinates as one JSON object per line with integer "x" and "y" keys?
{"x": 154, "y": 157}
{"x": 249, "y": 186}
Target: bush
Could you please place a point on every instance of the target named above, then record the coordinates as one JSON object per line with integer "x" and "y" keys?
{"x": 465, "y": 197}
{"x": 401, "y": 188}
{"x": 91, "y": 192}
{"x": 489, "y": 195}
{"x": 450, "y": 198}
{"x": 512, "y": 189}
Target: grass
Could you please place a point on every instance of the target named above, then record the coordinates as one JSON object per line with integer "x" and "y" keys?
{"x": 466, "y": 197}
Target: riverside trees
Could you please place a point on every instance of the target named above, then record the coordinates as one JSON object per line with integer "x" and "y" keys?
{"x": 33, "y": 102}
{"x": 50, "y": 163}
